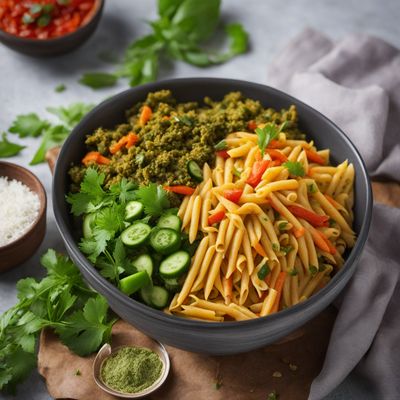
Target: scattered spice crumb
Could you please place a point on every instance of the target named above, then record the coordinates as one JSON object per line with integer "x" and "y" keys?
{"x": 277, "y": 374}
{"x": 293, "y": 367}
{"x": 273, "y": 396}
{"x": 78, "y": 372}
{"x": 60, "y": 88}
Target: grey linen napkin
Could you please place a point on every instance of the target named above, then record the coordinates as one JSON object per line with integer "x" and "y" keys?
{"x": 356, "y": 83}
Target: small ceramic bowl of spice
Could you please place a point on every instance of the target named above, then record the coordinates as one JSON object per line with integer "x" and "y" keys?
{"x": 22, "y": 214}
{"x": 131, "y": 372}
{"x": 48, "y": 27}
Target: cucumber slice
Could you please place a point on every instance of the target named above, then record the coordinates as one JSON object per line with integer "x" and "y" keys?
{"x": 133, "y": 283}
{"x": 87, "y": 227}
{"x": 172, "y": 285}
{"x": 136, "y": 234}
{"x": 143, "y": 263}
{"x": 194, "y": 170}
{"x": 145, "y": 294}
{"x": 170, "y": 221}
{"x": 165, "y": 240}
{"x": 175, "y": 265}
{"x": 159, "y": 297}
{"x": 133, "y": 210}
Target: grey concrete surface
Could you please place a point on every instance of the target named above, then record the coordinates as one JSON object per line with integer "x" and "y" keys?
{"x": 27, "y": 85}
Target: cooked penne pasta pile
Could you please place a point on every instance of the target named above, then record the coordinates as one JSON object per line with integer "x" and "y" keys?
{"x": 273, "y": 224}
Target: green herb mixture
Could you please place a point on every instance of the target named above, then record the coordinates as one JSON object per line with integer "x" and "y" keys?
{"x": 131, "y": 369}
{"x": 175, "y": 134}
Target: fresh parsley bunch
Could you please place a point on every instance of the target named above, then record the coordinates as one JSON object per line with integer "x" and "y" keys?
{"x": 182, "y": 27}
{"x": 61, "y": 301}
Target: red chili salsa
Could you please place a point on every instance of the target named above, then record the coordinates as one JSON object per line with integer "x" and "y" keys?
{"x": 43, "y": 19}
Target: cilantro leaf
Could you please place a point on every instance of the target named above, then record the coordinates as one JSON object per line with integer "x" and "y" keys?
{"x": 28, "y": 125}
{"x": 72, "y": 114}
{"x": 97, "y": 80}
{"x": 53, "y": 136}
{"x": 154, "y": 198}
{"x": 239, "y": 39}
{"x": 60, "y": 88}
{"x": 85, "y": 330}
{"x": 295, "y": 168}
{"x": 124, "y": 190}
{"x": 266, "y": 134}
{"x": 9, "y": 149}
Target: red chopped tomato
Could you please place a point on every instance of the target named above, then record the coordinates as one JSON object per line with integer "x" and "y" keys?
{"x": 233, "y": 195}
{"x": 43, "y": 19}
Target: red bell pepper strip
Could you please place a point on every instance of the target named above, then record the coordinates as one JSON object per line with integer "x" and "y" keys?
{"x": 215, "y": 218}
{"x": 180, "y": 189}
{"x": 277, "y": 155}
{"x": 257, "y": 171}
{"x": 222, "y": 153}
{"x": 314, "y": 157}
{"x": 233, "y": 195}
{"x": 311, "y": 217}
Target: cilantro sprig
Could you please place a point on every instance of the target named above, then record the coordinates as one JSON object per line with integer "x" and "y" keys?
{"x": 7, "y": 148}
{"x": 268, "y": 133}
{"x": 62, "y": 301}
{"x": 53, "y": 134}
{"x": 183, "y": 26}
{"x": 295, "y": 168}
{"x": 108, "y": 205}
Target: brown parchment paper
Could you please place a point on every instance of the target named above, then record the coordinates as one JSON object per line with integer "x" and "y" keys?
{"x": 248, "y": 376}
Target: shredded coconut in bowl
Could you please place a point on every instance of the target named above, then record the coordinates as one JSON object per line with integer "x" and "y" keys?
{"x": 19, "y": 209}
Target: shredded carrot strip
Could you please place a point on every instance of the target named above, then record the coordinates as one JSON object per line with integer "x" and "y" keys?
{"x": 275, "y": 144}
{"x": 314, "y": 157}
{"x": 103, "y": 160}
{"x": 319, "y": 240}
{"x": 114, "y": 148}
{"x": 333, "y": 202}
{"x": 299, "y": 232}
{"x": 145, "y": 115}
{"x": 94, "y": 157}
{"x": 278, "y": 287}
{"x": 259, "y": 249}
{"x": 332, "y": 248}
{"x": 132, "y": 139}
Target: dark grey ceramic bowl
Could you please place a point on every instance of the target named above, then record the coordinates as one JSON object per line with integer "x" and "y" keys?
{"x": 59, "y": 45}
{"x": 226, "y": 337}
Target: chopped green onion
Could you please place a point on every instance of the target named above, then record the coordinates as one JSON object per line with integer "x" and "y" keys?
{"x": 282, "y": 225}
{"x": 263, "y": 272}
{"x": 275, "y": 246}
{"x": 313, "y": 270}
{"x": 293, "y": 272}
{"x": 236, "y": 172}
{"x": 286, "y": 249}
{"x": 312, "y": 188}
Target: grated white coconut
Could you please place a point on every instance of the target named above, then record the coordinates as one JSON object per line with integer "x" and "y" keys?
{"x": 19, "y": 209}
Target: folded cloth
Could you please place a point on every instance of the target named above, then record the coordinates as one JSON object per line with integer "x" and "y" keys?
{"x": 356, "y": 83}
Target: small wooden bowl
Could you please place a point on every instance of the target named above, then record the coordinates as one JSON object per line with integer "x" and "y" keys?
{"x": 58, "y": 45}
{"x": 106, "y": 351}
{"x": 24, "y": 247}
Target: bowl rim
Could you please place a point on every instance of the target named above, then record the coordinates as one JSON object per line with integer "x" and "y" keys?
{"x": 97, "y": 8}
{"x": 160, "y": 316}
{"x": 42, "y": 209}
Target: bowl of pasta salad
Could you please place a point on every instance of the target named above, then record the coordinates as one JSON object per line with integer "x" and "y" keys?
{"x": 215, "y": 215}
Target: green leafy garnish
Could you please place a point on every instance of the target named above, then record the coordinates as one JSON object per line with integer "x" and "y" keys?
{"x": 28, "y": 125}
{"x": 268, "y": 133}
{"x": 97, "y": 80}
{"x": 182, "y": 27}
{"x": 154, "y": 198}
{"x": 236, "y": 172}
{"x": 313, "y": 270}
{"x": 7, "y": 148}
{"x": 184, "y": 120}
{"x": 72, "y": 114}
{"x": 62, "y": 301}
{"x": 263, "y": 272}
{"x": 293, "y": 272}
{"x": 286, "y": 249}
{"x": 312, "y": 188}
{"x": 275, "y": 246}
{"x": 282, "y": 225}
{"x": 295, "y": 168}
{"x": 60, "y": 88}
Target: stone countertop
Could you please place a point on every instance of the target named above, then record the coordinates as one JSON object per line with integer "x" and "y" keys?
{"x": 27, "y": 85}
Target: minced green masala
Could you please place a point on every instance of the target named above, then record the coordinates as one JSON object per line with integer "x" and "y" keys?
{"x": 175, "y": 134}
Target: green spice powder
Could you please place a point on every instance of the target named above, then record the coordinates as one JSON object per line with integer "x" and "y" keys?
{"x": 131, "y": 369}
